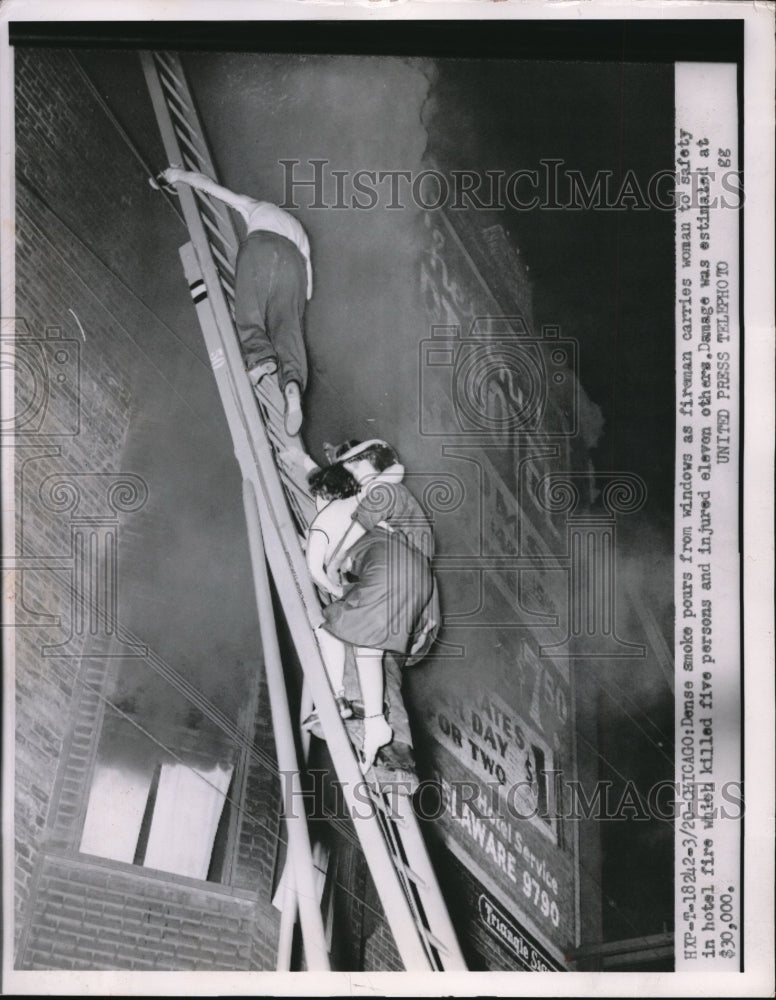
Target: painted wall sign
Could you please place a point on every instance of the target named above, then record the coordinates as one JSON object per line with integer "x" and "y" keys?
{"x": 502, "y": 927}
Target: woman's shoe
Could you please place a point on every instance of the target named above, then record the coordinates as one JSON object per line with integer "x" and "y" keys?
{"x": 344, "y": 706}
{"x": 310, "y": 722}
{"x": 377, "y": 733}
{"x": 345, "y": 711}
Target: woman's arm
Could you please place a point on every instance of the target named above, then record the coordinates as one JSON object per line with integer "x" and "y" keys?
{"x": 354, "y": 532}
{"x": 314, "y": 554}
{"x": 364, "y": 517}
{"x": 317, "y": 542}
{"x": 243, "y": 203}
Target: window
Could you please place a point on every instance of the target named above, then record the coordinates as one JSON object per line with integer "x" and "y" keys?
{"x": 148, "y": 808}
{"x": 169, "y": 772}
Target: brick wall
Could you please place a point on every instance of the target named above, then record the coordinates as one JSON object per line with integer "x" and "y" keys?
{"x": 72, "y": 157}
{"x": 380, "y": 954}
{"x": 98, "y": 394}
{"x": 95, "y": 916}
{"x": 90, "y": 236}
{"x": 379, "y": 948}
{"x": 259, "y": 826}
{"x": 79, "y": 407}
{"x": 89, "y": 914}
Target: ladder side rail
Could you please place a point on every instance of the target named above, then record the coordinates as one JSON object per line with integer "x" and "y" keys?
{"x": 414, "y": 869}
{"x": 288, "y": 907}
{"x": 296, "y": 820}
{"x": 377, "y": 850}
{"x": 288, "y": 912}
{"x": 437, "y": 914}
{"x": 299, "y": 600}
{"x": 203, "y": 161}
{"x": 288, "y": 557}
{"x": 299, "y": 845}
{"x": 227, "y": 348}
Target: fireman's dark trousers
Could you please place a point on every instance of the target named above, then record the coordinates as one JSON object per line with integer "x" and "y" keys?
{"x": 270, "y": 297}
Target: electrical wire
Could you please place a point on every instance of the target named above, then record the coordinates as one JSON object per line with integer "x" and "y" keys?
{"x": 658, "y": 746}
{"x": 665, "y": 739}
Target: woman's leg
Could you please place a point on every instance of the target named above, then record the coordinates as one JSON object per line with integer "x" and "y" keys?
{"x": 333, "y": 650}
{"x": 377, "y": 731}
{"x": 333, "y": 653}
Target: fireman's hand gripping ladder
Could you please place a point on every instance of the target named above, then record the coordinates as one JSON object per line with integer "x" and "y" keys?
{"x": 278, "y": 509}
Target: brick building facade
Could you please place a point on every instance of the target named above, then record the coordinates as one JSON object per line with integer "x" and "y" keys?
{"x": 84, "y": 314}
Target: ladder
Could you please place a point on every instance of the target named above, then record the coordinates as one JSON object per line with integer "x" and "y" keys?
{"x": 278, "y": 510}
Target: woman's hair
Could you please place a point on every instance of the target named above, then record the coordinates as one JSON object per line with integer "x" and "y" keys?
{"x": 332, "y": 482}
{"x": 345, "y": 446}
{"x": 380, "y": 456}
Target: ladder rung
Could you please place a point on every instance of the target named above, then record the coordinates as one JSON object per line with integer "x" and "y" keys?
{"x": 215, "y": 230}
{"x": 199, "y": 154}
{"x": 223, "y": 261}
{"x": 295, "y": 493}
{"x": 296, "y": 490}
{"x": 180, "y": 113}
{"x": 411, "y": 875}
{"x": 389, "y": 813}
{"x": 271, "y": 396}
{"x": 278, "y": 440}
{"x": 214, "y": 210}
{"x": 193, "y": 151}
{"x": 181, "y": 109}
{"x": 271, "y": 409}
{"x": 163, "y": 58}
{"x": 170, "y": 80}
{"x": 434, "y": 940}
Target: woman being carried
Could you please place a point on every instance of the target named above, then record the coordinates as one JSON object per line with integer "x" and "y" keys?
{"x": 335, "y": 492}
{"x": 337, "y": 496}
{"x": 388, "y": 602}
